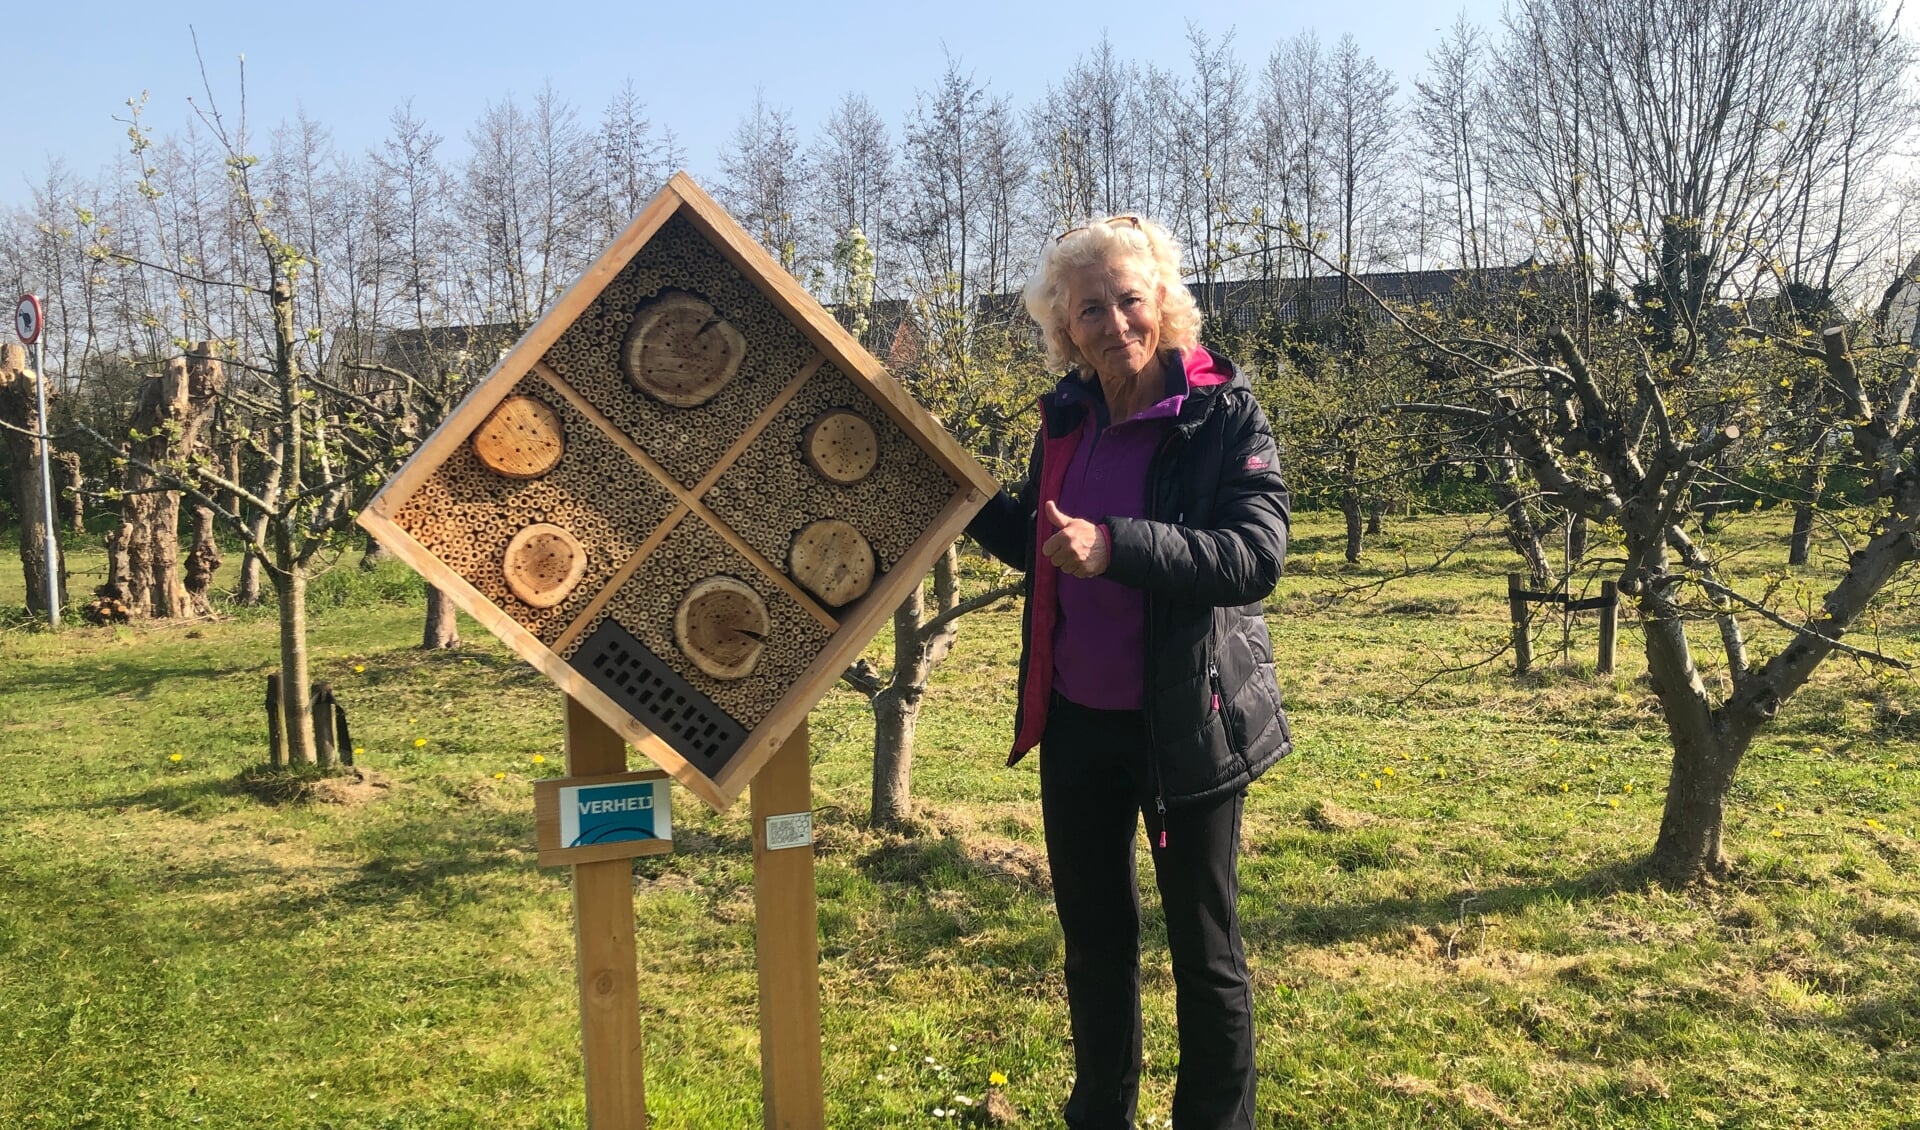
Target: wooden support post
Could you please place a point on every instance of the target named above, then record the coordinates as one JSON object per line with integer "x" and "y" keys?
{"x": 1609, "y": 625}
{"x": 787, "y": 939}
{"x": 603, "y": 950}
{"x": 1522, "y": 623}
{"x": 325, "y": 742}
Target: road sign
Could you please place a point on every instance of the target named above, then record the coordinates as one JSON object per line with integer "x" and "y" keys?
{"x": 26, "y": 318}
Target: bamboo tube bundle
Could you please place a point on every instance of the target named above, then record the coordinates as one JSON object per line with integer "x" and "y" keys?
{"x": 675, "y": 269}
{"x": 467, "y": 513}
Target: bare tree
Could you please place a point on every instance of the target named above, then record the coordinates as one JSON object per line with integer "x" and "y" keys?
{"x": 764, "y": 171}
{"x": 851, "y": 170}
{"x": 1210, "y": 122}
{"x": 1360, "y": 103}
{"x": 1450, "y": 116}
{"x": 631, "y": 161}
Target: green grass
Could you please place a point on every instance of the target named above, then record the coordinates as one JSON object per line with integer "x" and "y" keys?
{"x": 1445, "y": 921}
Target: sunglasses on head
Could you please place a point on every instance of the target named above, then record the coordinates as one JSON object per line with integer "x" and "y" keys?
{"x": 1130, "y": 220}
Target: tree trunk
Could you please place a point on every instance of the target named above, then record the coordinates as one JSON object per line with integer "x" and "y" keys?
{"x": 1813, "y": 482}
{"x": 73, "y": 504}
{"x": 247, "y": 592}
{"x": 1705, "y": 755}
{"x": 373, "y": 554}
{"x": 1576, "y": 538}
{"x": 1350, "y": 506}
{"x": 116, "y": 586}
{"x": 19, "y": 407}
{"x": 296, "y": 686}
{"x": 1375, "y": 510}
{"x": 917, "y": 650}
{"x": 1522, "y": 533}
{"x": 442, "y": 630}
{"x": 203, "y": 560}
{"x": 896, "y": 711}
{"x": 166, "y": 426}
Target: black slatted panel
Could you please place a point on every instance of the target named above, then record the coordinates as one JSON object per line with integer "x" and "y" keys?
{"x": 658, "y": 698}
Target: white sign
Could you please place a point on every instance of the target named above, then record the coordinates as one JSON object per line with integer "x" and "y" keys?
{"x": 26, "y": 318}
{"x": 790, "y": 831}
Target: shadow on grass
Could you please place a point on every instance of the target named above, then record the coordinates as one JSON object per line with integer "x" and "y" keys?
{"x": 1303, "y": 924}
{"x": 134, "y": 674}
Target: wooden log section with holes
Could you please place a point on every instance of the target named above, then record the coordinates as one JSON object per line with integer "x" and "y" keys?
{"x": 521, "y": 439}
{"x": 543, "y": 563}
{"x": 841, "y": 446}
{"x": 831, "y": 560}
{"x": 680, "y": 350}
{"x": 721, "y": 625}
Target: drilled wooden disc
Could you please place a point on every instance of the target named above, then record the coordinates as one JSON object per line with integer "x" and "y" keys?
{"x": 521, "y": 439}
{"x": 831, "y": 560}
{"x": 543, "y": 563}
{"x": 841, "y": 446}
{"x": 679, "y": 350}
{"x": 721, "y": 625}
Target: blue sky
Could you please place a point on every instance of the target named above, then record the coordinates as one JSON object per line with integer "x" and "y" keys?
{"x": 71, "y": 69}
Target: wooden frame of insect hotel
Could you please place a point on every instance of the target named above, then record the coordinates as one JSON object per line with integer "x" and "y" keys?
{"x": 690, "y": 498}
{"x": 687, "y": 495}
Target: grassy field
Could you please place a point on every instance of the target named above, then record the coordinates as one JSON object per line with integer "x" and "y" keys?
{"x": 1445, "y": 921}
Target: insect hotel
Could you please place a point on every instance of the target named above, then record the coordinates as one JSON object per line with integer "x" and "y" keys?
{"x": 690, "y": 498}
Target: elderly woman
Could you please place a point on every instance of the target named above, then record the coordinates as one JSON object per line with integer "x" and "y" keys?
{"x": 1146, "y": 674}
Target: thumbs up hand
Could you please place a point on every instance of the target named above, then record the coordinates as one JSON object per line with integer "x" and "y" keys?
{"x": 1078, "y": 547}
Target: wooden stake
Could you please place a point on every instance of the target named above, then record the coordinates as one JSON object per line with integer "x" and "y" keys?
{"x": 787, "y": 941}
{"x": 1609, "y": 625}
{"x": 1522, "y": 626}
{"x": 603, "y": 950}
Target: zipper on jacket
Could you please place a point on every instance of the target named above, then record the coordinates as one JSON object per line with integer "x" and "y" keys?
{"x": 1213, "y": 681}
{"x": 1153, "y": 746}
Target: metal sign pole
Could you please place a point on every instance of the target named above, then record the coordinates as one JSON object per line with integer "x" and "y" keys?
{"x": 46, "y": 483}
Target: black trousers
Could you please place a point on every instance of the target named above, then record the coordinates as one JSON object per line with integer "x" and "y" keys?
{"x": 1096, "y": 781}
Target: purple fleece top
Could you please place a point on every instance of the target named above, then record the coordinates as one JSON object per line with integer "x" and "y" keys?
{"x": 1100, "y": 640}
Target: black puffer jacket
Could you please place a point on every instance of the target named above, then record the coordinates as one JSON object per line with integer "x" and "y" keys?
{"x": 1207, "y": 556}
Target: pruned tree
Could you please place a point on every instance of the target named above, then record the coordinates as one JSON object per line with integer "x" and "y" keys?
{"x": 920, "y": 643}
{"x": 1624, "y": 444}
{"x": 174, "y": 409}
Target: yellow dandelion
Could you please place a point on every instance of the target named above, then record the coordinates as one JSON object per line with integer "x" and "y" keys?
{"x": 359, "y": 668}
{"x": 1613, "y": 802}
{"x": 174, "y": 757}
{"x": 1778, "y": 807}
{"x": 499, "y": 776}
{"x": 539, "y": 759}
{"x": 1440, "y": 773}
{"x": 1629, "y": 788}
{"x": 1376, "y": 782}
{"x": 1404, "y": 756}
{"x": 997, "y": 1079}
{"x": 418, "y": 742}
{"x": 1872, "y": 823}
{"x": 358, "y": 750}
{"x": 1388, "y": 770}
{"x": 1777, "y": 834}
{"x": 1563, "y": 786}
